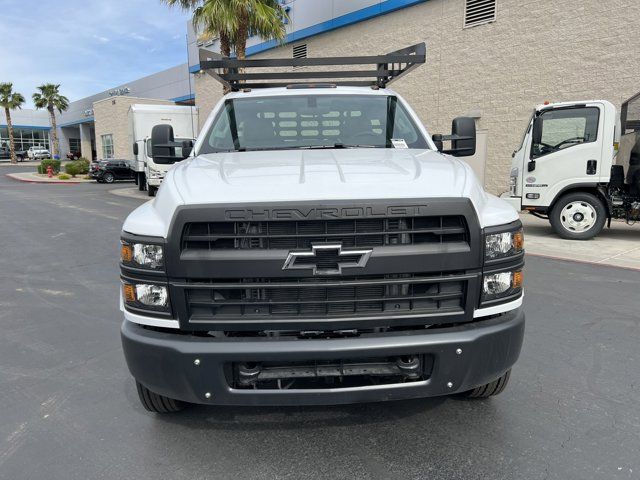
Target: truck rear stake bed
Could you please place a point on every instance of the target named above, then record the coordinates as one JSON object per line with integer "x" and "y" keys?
{"x": 303, "y": 257}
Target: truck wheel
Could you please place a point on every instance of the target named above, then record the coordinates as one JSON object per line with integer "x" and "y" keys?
{"x": 151, "y": 191}
{"x": 578, "y": 216}
{"x": 108, "y": 177}
{"x": 490, "y": 389}
{"x": 156, "y": 403}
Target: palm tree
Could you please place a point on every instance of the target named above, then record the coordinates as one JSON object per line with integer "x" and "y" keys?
{"x": 50, "y": 98}
{"x": 10, "y": 100}
{"x": 232, "y": 20}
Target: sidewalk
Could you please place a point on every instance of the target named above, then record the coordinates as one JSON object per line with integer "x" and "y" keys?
{"x": 33, "y": 177}
{"x": 617, "y": 246}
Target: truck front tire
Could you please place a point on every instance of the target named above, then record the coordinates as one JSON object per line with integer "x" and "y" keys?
{"x": 490, "y": 389}
{"x": 156, "y": 403}
{"x": 578, "y": 216}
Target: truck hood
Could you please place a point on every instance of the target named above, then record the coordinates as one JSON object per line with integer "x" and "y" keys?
{"x": 308, "y": 175}
{"x": 294, "y": 175}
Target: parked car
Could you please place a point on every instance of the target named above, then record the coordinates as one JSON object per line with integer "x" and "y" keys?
{"x": 5, "y": 154}
{"x": 74, "y": 155}
{"x": 108, "y": 171}
{"x": 37, "y": 153}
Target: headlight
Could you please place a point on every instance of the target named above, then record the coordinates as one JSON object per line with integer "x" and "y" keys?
{"x": 142, "y": 255}
{"x": 146, "y": 296}
{"x": 503, "y": 245}
{"x": 501, "y": 285}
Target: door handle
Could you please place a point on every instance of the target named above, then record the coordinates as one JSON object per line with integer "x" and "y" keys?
{"x": 592, "y": 167}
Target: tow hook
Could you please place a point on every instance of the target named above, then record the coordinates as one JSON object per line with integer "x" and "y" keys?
{"x": 248, "y": 373}
{"x": 409, "y": 365}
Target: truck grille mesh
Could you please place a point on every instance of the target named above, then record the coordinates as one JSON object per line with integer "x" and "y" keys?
{"x": 366, "y": 232}
{"x": 321, "y": 297}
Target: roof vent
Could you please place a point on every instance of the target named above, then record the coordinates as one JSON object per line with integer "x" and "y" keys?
{"x": 478, "y": 12}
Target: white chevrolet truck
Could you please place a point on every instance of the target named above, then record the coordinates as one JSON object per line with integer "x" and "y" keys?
{"x": 319, "y": 247}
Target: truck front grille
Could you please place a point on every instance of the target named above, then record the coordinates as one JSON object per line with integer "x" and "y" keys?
{"x": 365, "y": 232}
{"x": 265, "y": 298}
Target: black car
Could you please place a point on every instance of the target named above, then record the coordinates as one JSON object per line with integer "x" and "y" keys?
{"x": 108, "y": 171}
{"x": 5, "y": 154}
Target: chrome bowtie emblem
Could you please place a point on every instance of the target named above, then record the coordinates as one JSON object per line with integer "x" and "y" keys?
{"x": 326, "y": 259}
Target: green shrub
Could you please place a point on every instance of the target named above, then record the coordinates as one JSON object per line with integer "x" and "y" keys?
{"x": 72, "y": 168}
{"x": 85, "y": 165}
{"x": 55, "y": 164}
{"x": 77, "y": 167}
{"x": 63, "y": 176}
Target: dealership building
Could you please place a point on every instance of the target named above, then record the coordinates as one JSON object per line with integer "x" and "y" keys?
{"x": 96, "y": 126}
{"x": 489, "y": 59}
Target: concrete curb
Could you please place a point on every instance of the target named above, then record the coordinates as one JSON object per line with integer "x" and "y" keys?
{"x": 130, "y": 193}
{"x": 587, "y": 262}
{"x": 20, "y": 177}
{"x": 48, "y": 182}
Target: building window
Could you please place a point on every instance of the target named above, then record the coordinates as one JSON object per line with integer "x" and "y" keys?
{"x": 107, "y": 146}
{"x": 479, "y": 12}
{"x": 23, "y": 138}
{"x": 74, "y": 144}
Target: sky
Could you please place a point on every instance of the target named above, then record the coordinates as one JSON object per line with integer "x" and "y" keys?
{"x": 87, "y": 46}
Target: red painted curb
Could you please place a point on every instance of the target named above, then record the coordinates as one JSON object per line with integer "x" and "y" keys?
{"x": 59, "y": 182}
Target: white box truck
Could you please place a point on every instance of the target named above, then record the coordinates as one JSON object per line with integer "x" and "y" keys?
{"x": 567, "y": 168}
{"x": 142, "y": 119}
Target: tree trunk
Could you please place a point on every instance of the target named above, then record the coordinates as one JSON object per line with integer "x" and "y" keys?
{"x": 54, "y": 134}
{"x": 243, "y": 33}
{"x": 12, "y": 147}
{"x": 225, "y": 49}
{"x": 241, "y": 40}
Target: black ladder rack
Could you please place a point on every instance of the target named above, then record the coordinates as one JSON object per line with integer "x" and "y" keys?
{"x": 236, "y": 75}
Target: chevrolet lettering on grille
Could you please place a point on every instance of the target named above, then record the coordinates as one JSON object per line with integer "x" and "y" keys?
{"x": 326, "y": 259}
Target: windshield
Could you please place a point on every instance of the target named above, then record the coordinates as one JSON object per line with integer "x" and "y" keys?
{"x": 312, "y": 121}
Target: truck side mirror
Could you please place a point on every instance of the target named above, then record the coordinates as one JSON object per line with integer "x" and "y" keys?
{"x": 536, "y": 136}
{"x": 135, "y": 149}
{"x": 163, "y": 144}
{"x": 187, "y": 146}
{"x": 437, "y": 139}
{"x": 463, "y": 137}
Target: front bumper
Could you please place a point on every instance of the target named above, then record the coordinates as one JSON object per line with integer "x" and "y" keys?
{"x": 155, "y": 181}
{"x": 165, "y": 362}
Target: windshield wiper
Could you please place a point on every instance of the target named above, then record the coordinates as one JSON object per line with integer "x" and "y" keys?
{"x": 300, "y": 147}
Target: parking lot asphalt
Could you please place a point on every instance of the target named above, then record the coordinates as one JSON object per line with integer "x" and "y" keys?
{"x": 69, "y": 410}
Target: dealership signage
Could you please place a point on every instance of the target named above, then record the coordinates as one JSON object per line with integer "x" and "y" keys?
{"x": 88, "y": 112}
{"x": 119, "y": 91}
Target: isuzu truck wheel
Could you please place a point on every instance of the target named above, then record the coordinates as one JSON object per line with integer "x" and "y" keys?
{"x": 156, "y": 403}
{"x": 490, "y": 389}
{"x": 578, "y": 216}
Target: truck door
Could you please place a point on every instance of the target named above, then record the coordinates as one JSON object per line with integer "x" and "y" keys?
{"x": 566, "y": 150}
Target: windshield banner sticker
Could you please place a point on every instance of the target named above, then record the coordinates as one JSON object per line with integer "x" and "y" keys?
{"x": 399, "y": 143}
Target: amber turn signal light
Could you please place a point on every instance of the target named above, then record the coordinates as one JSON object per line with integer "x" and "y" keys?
{"x": 517, "y": 280}
{"x": 518, "y": 240}
{"x": 126, "y": 253}
{"x": 129, "y": 293}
